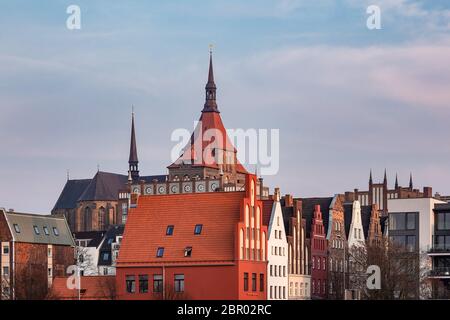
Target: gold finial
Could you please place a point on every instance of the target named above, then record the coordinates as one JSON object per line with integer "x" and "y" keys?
{"x": 211, "y": 46}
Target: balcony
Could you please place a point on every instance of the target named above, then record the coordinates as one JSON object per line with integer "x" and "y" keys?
{"x": 440, "y": 272}
{"x": 439, "y": 250}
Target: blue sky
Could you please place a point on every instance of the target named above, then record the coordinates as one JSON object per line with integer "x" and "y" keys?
{"x": 346, "y": 99}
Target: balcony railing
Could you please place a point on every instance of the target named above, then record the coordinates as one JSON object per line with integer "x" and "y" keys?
{"x": 440, "y": 248}
{"x": 440, "y": 272}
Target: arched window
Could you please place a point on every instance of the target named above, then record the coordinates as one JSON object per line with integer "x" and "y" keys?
{"x": 101, "y": 221}
{"x": 87, "y": 219}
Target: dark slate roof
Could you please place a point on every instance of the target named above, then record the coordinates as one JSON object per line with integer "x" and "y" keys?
{"x": 41, "y": 229}
{"x": 288, "y": 212}
{"x": 104, "y": 186}
{"x": 149, "y": 179}
{"x": 348, "y": 215}
{"x": 366, "y": 212}
{"x": 95, "y": 237}
{"x": 308, "y": 206}
{"x": 109, "y": 238}
{"x": 70, "y": 194}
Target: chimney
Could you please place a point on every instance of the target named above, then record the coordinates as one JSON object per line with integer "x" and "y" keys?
{"x": 349, "y": 196}
{"x": 427, "y": 192}
{"x": 288, "y": 201}
{"x": 276, "y": 195}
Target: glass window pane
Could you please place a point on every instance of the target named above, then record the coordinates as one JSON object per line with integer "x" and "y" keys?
{"x": 411, "y": 221}
{"x": 447, "y": 221}
{"x": 440, "y": 220}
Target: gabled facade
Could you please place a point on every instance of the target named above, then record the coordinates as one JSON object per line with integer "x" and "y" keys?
{"x": 318, "y": 244}
{"x": 298, "y": 250}
{"x": 34, "y": 249}
{"x": 353, "y": 224}
{"x": 379, "y": 193}
{"x": 277, "y": 245}
{"x": 332, "y": 210}
{"x": 210, "y": 245}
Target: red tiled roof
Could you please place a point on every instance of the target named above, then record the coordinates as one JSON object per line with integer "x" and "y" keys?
{"x": 208, "y": 120}
{"x": 92, "y": 288}
{"x": 145, "y": 231}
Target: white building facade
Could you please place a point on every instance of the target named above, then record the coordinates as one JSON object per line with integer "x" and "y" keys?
{"x": 277, "y": 267}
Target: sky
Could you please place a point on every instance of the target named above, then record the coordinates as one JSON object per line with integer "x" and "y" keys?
{"x": 346, "y": 99}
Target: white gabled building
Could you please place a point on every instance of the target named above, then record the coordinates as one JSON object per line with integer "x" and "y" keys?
{"x": 277, "y": 245}
{"x": 355, "y": 232}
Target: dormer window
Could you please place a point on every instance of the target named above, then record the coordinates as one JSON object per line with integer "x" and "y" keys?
{"x": 46, "y": 231}
{"x": 188, "y": 252}
{"x": 198, "y": 229}
{"x": 169, "y": 230}
{"x": 16, "y": 228}
{"x": 160, "y": 252}
{"x": 36, "y": 230}
{"x": 55, "y": 231}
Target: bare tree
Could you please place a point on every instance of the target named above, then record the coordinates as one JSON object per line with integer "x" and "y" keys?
{"x": 400, "y": 270}
{"x": 85, "y": 261}
{"x": 6, "y": 288}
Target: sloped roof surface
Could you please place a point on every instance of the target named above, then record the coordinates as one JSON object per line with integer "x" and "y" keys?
{"x": 71, "y": 193}
{"x": 145, "y": 230}
{"x": 58, "y": 230}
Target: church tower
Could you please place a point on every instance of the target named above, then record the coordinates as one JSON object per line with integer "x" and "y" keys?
{"x": 133, "y": 162}
{"x": 209, "y": 153}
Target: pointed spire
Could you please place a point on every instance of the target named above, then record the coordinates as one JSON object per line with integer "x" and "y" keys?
{"x": 370, "y": 177}
{"x": 411, "y": 182}
{"x": 210, "y": 103}
{"x": 133, "y": 161}
{"x": 385, "y": 177}
{"x": 396, "y": 181}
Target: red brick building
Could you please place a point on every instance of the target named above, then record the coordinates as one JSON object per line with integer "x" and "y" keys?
{"x": 319, "y": 247}
{"x": 34, "y": 249}
{"x": 208, "y": 245}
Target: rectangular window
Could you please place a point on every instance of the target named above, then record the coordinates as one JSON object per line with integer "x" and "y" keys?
{"x": 397, "y": 221}
{"x": 410, "y": 221}
{"x": 245, "y": 281}
{"x": 6, "y": 250}
{"x": 6, "y": 271}
{"x": 271, "y": 292}
{"x": 179, "y": 283}
{"x": 49, "y": 252}
{"x": 188, "y": 252}
{"x": 143, "y": 283}
{"x": 55, "y": 231}
{"x": 16, "y": 228}
{"x": 130, "y": 284}
{"x": 105, "y": 271}
{"x": 47, "y": 233}
{"x": 49, "y": 272}
{"x": 443, "y": 221}
{"x": 169, "y": 230}
{"x": 261, "y": 282}
{"x": 253, "y": 282}
{"x": 198, "y": 229}
{"x": 160, "y": 252}
{"x": 157, "y": 283}
{"x": 36, "y": 230}
{"x": 411, "y": 243}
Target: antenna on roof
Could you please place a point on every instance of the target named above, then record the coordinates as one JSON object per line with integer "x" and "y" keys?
{"x": 68, "y": 174}
{"x": 98, "y": 167}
